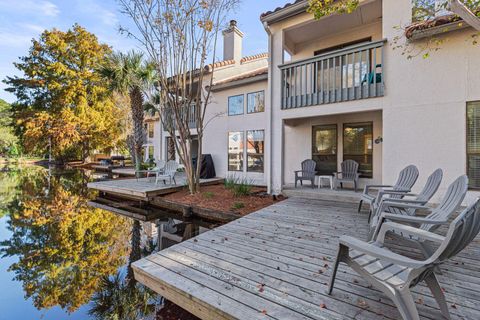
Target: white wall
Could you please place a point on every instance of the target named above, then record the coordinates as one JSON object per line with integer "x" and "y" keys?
{"x": 216, "y": 132}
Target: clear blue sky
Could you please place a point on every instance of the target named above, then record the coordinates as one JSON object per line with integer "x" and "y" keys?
{"x": 22, "y": 20}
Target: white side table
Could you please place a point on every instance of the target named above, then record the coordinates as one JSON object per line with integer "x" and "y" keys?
{"x": 326, "y": 177}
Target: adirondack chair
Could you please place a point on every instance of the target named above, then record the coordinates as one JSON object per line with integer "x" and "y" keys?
{"x": 406, "y": 179}
{"x": 169, "y": 172}
{"x": 307, "y": 172}
{"x": 395, "y": 274}
{"x": 349, "y": 173}
{"x": 159, "y": 167}
{"x": 438, "y": 216}
{"x": 422, "y": 198}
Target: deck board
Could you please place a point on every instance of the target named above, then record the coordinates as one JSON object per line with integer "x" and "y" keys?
{"x": 276, "y": 263}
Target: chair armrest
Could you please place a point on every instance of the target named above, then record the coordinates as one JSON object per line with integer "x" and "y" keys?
{"x": 407, "y": 231}
{"x": 374, "y": 186}
{"x": 406, "y": 205}
{"x": 412, "y": 219}
{"x": 401, "y": 193}
{"x": 378, "y": 252}
{"x": 413, "y": 201}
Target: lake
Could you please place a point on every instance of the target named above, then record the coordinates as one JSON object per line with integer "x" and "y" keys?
{"x": 61, "y": 259}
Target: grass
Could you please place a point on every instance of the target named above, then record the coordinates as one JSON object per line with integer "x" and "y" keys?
{"x": 208, "y": 194}
{"x": 238, "y": 205}
{"x": 239, "y": 187}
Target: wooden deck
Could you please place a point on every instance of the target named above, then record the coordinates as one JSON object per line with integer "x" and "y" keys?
{"x": 144, "y": 188}
{"x": 275, "y": 264}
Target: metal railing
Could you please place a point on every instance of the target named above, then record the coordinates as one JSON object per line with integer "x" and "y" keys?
{"x": 347, "y": 74}
{"x": 189, "y": 115}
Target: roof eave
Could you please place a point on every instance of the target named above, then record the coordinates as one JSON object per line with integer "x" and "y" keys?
{"x": 285, "y": 13}
{"x": 240, "y": 82}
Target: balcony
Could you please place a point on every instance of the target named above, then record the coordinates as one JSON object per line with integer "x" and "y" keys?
{"x": 347, "y": 74}
{"x": 189, "y": 114}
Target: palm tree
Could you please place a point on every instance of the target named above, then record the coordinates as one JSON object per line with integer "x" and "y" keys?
{"x": 129, "y": 74}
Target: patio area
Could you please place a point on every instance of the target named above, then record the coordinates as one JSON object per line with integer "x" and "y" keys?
{"x": 275, "y": 264}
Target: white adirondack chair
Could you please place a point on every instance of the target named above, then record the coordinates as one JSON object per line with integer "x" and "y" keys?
{"x": 406, "y": 179}
{"x": 395, "y": 274}
{"x": 169, "y": 172}
{"x": 159, "y": 167}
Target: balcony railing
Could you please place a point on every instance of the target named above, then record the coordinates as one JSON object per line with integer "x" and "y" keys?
{"x": 189, "y": 115}
{"x": 343, "y": 75}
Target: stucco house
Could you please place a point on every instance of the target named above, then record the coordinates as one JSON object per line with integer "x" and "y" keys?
{"x": 342, "y": 87}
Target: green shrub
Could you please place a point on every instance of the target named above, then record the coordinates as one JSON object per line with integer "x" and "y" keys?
{"x": 230, "y": 182}
{"x": 239, "y": 187}
{"x": 238, "y": 205}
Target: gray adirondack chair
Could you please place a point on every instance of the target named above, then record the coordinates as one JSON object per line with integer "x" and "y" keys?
{"x": 349, "y": 173}
{"x": 307, "y": 172}
{"x": 422, "y": 198}
{"x": 438, "y": 216}
{"x": 159, "y": 167}
{"x": 394, "y": 274}
{"x": 406, "y": 179}
{"x": 169, "y": 172}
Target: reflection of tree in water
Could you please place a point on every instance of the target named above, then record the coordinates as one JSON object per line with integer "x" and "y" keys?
{"x": 64, "y": 247}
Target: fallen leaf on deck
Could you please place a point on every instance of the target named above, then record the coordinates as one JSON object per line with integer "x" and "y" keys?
{"x": 454, "y": 306}
{"x": 362, "y": 303}
{"x": 323, "y": 306}
{"x": 419, "y": 301}
{"x": 264, "y": 311}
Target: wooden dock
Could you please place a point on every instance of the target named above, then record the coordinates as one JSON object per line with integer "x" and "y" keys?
{"x": 275, "y": 264}
{"x": 142, "y": 189}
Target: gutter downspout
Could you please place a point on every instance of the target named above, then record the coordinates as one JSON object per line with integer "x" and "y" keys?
{"x": 270, "y": 120}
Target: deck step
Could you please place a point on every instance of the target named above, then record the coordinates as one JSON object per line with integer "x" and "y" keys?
{"x": 322, "y": 194}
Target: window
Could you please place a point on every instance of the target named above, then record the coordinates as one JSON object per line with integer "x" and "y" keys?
{"x": 150, "y": 129}
{"x": 255, "y": 150}
{"x": 324, "y": 148}
{"x": 473, "y": 144}
{"x": 151, "y": 152}
{"x": 235, "y": 151}
{"x": 256, "y": 102}
{"x": 358, "y": 146}
{"x": 235, "y": 105}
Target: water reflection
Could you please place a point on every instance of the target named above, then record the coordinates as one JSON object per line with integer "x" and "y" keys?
{"x": 68, "y": 254}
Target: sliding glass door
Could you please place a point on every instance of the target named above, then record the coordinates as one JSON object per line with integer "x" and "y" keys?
{"x": 324, "y": 148}
{"x": 358, "y": 146}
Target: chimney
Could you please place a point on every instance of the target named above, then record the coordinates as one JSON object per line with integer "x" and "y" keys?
{"x": 232, "y": 42}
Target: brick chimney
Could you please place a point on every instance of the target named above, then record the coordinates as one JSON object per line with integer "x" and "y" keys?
{"x": 232, "y": 42}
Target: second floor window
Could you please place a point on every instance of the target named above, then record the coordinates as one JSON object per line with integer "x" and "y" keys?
{"x": 235, "y": 105}
{"x": 473, "y": 144}
{"x": 256, "y": 102}
{"x": 150, "y": 130}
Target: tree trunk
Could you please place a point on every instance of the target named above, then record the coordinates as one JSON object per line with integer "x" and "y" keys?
{"x": 136, "y": 103}
{"x": 135, "y": 253}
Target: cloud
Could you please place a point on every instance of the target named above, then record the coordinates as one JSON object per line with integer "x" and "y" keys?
{"x": 42, "y": 7}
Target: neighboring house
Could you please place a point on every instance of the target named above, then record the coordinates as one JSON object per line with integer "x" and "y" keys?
{"x": 236, "y": 117}
{"x": 347, "y": 93}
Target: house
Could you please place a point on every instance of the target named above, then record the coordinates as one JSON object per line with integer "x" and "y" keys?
{"x": 235, "y": 119}
{"x": 348, "y": 92}
{"x": 342, "y": 87}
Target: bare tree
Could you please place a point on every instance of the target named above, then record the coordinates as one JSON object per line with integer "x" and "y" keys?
{"x": 179, "y": 36}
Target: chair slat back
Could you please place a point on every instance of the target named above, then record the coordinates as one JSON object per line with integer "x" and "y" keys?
{"x": 406, "y": 179}
{"x": 460, "y": 234}
{"x": 349, "y": 169}
{"x": 171, "y": 167}
{"x": 451, "y": 201}
{"x": 308, "y": 168}
{"x": 160, "y": 164}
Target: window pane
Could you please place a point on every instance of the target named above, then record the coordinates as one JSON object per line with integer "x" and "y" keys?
{"x": 255, "y": 150}
{"x": 235, "y": 151}
{"x": 256, "y": 102}
{"x": 235, "y": 105}
{"x": 473, "y": 144}
{"x": 150, "y": 152}
{"x": 324, "y": 148}
{"x": 150, "y": 130}
{"x": 358, "y": 146}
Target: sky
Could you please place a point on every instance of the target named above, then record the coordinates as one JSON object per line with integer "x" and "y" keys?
{"x": 22, "y": 20}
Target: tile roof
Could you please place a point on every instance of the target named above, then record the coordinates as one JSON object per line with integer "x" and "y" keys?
{"x": 246, "y": 75}
{"x": 280, "y": 8}
{"x": 254, "y": 57}
{"x": 219, "y": 64}
{"x": 431, "y": 23}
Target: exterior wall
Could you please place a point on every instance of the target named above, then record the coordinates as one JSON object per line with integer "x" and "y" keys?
{"x": 220, "y": 124}
{"x": 430, "y": 99}
{"x": 298, "y": 141}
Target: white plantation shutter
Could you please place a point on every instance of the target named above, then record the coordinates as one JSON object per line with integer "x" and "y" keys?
{"x": 473, "y": 143}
